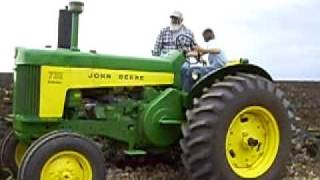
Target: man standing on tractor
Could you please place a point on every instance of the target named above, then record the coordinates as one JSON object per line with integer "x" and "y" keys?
{"x": 167, "y": 38}
{"x": 176, "y": 37}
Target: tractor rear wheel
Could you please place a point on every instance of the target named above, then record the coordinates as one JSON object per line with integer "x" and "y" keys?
{"x": 11, "y": 152}
{"x": 240, "y": 128}
{"x": 63, "y": 155}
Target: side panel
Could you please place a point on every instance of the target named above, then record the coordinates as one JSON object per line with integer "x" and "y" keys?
{"x": 55, "y": 82}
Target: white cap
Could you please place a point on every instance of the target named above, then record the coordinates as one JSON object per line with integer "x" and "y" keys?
{"x": 177, "y": 14}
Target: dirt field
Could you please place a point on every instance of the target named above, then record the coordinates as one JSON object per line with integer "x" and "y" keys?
{"x": 304, "y": 162}
{"x": 305, "y": 99}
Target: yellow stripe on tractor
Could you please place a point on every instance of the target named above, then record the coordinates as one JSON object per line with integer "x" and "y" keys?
{"x": 55, "y": 82}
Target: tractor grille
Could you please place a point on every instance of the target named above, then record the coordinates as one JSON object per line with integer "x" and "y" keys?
{"x": 26, "y": 90}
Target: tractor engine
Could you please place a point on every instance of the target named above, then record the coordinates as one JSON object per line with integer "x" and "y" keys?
{"x": 106, "y": 103}
{"x": 144, "y": 113}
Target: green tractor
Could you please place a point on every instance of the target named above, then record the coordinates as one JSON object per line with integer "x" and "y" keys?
{"x": 234, "y": 123}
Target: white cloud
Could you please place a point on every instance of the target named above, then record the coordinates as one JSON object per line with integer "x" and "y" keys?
{"x": 247, "y": 28}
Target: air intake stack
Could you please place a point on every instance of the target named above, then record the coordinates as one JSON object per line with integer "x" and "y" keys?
{"x": 69, "y": 25}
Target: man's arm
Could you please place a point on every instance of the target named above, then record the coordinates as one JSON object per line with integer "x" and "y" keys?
{"x": 157, "y": 47}
{"x": 210, "y": 50}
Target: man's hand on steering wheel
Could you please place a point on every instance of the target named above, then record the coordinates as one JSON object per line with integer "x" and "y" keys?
{"x": 191, "y": 49}
{"x": 197, "y": 55}
{"x": 192, "y": 54}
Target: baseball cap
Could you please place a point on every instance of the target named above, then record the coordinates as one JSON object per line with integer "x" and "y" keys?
{"x": 177, "y": 14}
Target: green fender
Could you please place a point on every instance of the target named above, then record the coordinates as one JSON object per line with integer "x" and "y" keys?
{"x": 211, "y": 77}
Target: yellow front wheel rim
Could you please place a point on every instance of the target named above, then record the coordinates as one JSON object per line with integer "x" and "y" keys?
{"x": 19, "y": 152}
{"x": 67, "y": 165}
{"x": 252, "y": 142}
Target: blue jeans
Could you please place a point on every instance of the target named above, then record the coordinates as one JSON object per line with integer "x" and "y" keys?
{"x": 217, "y": 60}
{"x": 187, "y": 70}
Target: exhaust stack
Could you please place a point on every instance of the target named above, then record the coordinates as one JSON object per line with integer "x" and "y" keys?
{"x": 76, "y": 7}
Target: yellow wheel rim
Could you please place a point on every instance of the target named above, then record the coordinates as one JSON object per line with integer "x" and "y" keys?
{"x": 252, "y": 142}
{"x": 19, "y": 152}
{"x": 67, "y": 165}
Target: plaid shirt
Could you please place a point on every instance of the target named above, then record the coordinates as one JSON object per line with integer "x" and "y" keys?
{"x": 166, "y": 40}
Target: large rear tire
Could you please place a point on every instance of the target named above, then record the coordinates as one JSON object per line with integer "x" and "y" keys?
{"x": 63, "y": 155}
{"x": 240, "y": 128}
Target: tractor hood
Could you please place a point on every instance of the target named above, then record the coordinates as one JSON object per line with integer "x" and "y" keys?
{"x": 67, "y": 58}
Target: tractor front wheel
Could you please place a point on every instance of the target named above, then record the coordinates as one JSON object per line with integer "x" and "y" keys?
{"x": 11, "y": 152}
{"x": 63, "y": 155}
{"x": 240, "y": 128}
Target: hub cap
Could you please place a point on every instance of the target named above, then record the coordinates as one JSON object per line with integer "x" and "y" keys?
{"x": 67, "y": 165}
{"x": 252, "y": 142}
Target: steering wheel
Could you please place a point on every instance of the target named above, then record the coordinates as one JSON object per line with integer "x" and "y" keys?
{"x": 186, "y": 46}
{"x": 188, "y": 42}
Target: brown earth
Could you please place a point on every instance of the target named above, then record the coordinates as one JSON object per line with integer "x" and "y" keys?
{"x": 304, "y": 162}
{"x": 305, "y": 157}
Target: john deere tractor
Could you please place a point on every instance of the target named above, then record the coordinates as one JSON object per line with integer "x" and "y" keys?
{"x": 233, "y": 124}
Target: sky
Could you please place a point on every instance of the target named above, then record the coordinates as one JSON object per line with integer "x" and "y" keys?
{"x": 281, "y": 36}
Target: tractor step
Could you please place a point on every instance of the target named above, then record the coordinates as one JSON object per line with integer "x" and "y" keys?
{"x": 135, "y": 152}
{"x": 170, "y": 122}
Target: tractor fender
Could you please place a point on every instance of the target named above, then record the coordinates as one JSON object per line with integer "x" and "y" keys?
{"x": 219, "y": 74}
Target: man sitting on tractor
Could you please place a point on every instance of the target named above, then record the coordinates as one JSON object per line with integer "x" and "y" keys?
{"x": 209, "y": 51}
{"x": 208, "y": 56}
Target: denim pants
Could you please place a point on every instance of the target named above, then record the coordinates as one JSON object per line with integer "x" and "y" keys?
{"x": 187, "y": 70}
